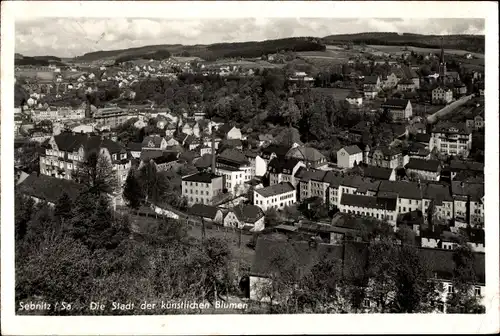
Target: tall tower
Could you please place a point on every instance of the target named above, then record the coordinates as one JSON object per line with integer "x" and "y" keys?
{"x": 442, "y": 63}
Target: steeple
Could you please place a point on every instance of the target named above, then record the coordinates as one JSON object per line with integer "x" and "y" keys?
{"x": 442, "y": 63}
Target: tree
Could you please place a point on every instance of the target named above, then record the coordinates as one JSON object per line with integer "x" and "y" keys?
{"x": 132, "y": 191}
{"x": 97, "y": 173}
{"x": 154, "y": 184}
{"x": 272, "y": 217}
{"x": 463, "y": 300}
{"x": 63, "y": 207}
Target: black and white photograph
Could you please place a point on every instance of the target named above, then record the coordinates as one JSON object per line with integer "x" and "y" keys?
{"x": 250, "y": 165}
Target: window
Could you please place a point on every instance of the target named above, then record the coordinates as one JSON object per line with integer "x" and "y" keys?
{"x": 477, "y": 291}
{"x": 366, "y": 303}
{"x": 450, "y": 288}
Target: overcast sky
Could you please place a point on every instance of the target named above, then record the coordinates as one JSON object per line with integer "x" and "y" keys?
{"x": 69, "y": 37}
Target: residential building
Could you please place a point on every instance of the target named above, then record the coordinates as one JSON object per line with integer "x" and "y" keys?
{"x": 354, "y": 98}
{"x": 110, "y": 116}
{"x": 377, "y": 173}
{"x": 201, "y": 187}
{"x": 284, "y": 170}
{"x": 391, "y": 81}
{"x": 398, "y": 109}
{"x": 276, "y": 196}
{"x": 229, "y": 131}
{"x": 199, "y": 214}
{"x": 468, "y": 204}
{"x": 236, "y": 169}
{"x": 452, "y": 139}
{"x": 371, "y": 86}
{"x": 67, "y": 151}
{"x": 311, "y": 157}
{"x": 409, "y": 194}
{"x": 406, "y": 85}
{"x": 437, "y": 203}
{"x": 386, "y": 157}
{"x": 245, "y": 217}
{"x": 442, "y": 95}
{"x": 471, "y": 167}
{"x": 274, "y": 151}
{"x": 349, "y": 156}
{"x": 424, "y": 169}
{"x": 154, "y": 142}
{"x": 258, "y": 164}
{"x": 382, "y": 208}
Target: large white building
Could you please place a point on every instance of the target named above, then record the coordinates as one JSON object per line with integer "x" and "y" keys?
{"x": 236, "y": 169}
{"x": 442, "y": 95}
{"x": 201, "y": 188}
{"x": 348, "y": 156}
{"x": 370, "y": 206}
{"x": 451, "y": 139}
{"x": 277, "y": 196}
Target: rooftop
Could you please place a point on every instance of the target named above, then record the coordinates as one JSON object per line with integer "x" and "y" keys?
{"x": 276, "y": 189}
{"x": 202, "y": 177}
{"x": 424, "y": 165}
{"x": 370, "y": 202}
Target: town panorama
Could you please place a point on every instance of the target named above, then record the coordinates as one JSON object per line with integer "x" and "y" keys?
{"x": 338, "y": 174}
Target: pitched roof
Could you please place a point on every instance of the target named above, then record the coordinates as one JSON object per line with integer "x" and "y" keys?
{"x": 279, "y": 165}
{"x": 166, "y": 157}
{"x": 279, "y": 150}
{"x": 473, "y": 190}
{"x": 354, "y": 95}
{"x": 48, "y": 188}
{"x": 299, "y": 253}
{"x": 422, "y": 137}
{"x": 453, "y": 128}
{"x": 437, "y": 192}
{"x": 276, "y": 189}
{"x": 458, "y": 165}
{"x": 404, "y": 189}
{"x": 395, "y": 103}
{"x": 204, "y": 162}
{"x": 370, "y": 202}
{"x": 309, "y": 154}
{"x": 203, "y": 210}
{"x": 424, "y": 165}
{"x": 134, "y": 146}
{"x": 375, "y": 172}
{"x": 154, "y": 139}
{"x": 69, "y": 142}
{"x": 232, "y": 156}
{"x": 371, "y": 79}
{"x": 248, "y": 213}
{"x": 353, "y": 149}
{"x": 202, "y": 177}
{"x": 406, "y": 81}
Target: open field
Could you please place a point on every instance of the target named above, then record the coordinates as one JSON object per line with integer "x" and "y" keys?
{"x": 337, "y": 93}
{"x": 242, "y": 253}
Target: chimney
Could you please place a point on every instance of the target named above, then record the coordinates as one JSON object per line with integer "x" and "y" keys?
{"x": 213, "y": 152}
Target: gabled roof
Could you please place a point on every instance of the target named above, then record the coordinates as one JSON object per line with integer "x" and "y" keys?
{"x": 473, "y": 190}
{"x": 371, "y": 79}
{"x": 395, "y": 103}
{"x": 353, "y": 149}
{"x": 309, "y": 154}
{"x": 404, "y": 189}
{"x": 458, "y": 165}
{"x": 134, "y": 146}
{"x": 279, "y": 150}
{"x": 248, "y": 213}
{"x": 201, "y": 177}
{"x": 379, "y": 173}
{"x": 437, "y": 192}
{"x": 154, "y": 139}
{"x": 424, "y": 165}
{"x": 232, "y": 156}
{"x": 278, "y": 165}
{"x": 452, "y": 128}
{"x": 69, "y": 142}
{"x": 423, "y": 137}
{"x": 276, "y": 189}
{"x": 370, "y": 202}
{"x": 203, "y": 210}
{"x": 48, "y": 188}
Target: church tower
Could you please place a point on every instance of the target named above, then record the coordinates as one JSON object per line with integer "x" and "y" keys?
{"x": 442, "y": 63}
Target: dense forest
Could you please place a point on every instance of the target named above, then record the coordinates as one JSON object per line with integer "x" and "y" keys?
{"x": 157, "y": 55}
{"x": 474, "y": 43}
{"x": 214, "y": 51}
{"x": 37, "y": 60}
